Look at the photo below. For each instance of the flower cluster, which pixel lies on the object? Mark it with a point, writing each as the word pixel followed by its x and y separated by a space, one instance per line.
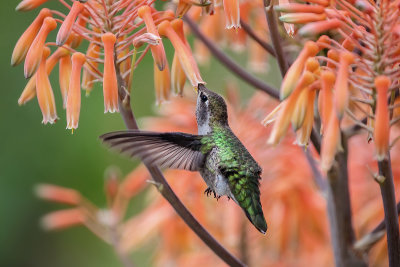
pixel 351 75
pixel 298 233
pixel 115 31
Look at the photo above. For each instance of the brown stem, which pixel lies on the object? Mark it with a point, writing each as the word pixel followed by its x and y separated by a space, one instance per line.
pixel 229 63
pixel 166 191
pixel 339 212
pixel 256 38
pixel 389 206
pixel 275 36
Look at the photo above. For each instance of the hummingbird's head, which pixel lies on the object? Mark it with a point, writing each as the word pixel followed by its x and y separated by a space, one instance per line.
pixel 210 109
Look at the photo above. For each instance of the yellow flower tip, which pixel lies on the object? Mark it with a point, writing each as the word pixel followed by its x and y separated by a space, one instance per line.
pixel 26 39
pixel 382 120
pixel 34 55
pixel 66 27
pixel 63 219
pixel 315 28
pixel 27 5
pixel 74 91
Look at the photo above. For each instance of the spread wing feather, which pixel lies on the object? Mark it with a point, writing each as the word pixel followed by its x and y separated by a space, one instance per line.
pixel 166 150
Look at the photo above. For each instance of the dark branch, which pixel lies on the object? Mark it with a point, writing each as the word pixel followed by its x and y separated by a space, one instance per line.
pixel 275 37
pixel 256 38
pixel 229 63
pixel 391 215
pixel 167 192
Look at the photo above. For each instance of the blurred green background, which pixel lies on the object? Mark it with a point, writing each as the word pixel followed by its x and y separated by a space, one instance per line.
pixel 32 153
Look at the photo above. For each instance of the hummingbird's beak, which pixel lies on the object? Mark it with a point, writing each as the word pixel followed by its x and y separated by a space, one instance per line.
pixel 199 87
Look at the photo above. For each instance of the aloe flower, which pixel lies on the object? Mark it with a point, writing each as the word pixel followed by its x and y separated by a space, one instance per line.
pixel 114 32
pixel 359 78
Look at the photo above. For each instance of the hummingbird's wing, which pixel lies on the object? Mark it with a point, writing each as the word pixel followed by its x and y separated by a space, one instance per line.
pixel 166 150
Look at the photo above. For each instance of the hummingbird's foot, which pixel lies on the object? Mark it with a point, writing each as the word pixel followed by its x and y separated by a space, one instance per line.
pixel 208 191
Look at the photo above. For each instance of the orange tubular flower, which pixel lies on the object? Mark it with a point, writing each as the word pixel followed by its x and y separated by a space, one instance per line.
pixel 58 194
pixel 285 114
pixel 88 77
pixel 44 91
pixel 27 5
pixel 30 88
pixel 342 83
pixel 232 13
pixel 64 77
pixel 34 54
pixel 66 26
pixel 157 51
pixel 301 17
pixel 184 54
pixel 162 83
pixel 292 76
pixel 315 28
pixel 178 77
pixel 303 135
pixel 63 219
pixel 382 125
pixel 110 84
pixel 296 8
pixel 74 91
pixel 26 39
pixel 330 142
pixel 326 96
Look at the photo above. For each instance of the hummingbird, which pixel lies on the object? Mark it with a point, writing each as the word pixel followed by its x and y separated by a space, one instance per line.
pixel 224 163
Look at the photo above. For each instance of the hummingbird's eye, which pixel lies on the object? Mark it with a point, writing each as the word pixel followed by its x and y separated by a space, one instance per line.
pixel 203 97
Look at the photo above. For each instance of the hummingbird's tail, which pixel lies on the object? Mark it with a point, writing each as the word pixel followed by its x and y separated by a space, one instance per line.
pixel 255 214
